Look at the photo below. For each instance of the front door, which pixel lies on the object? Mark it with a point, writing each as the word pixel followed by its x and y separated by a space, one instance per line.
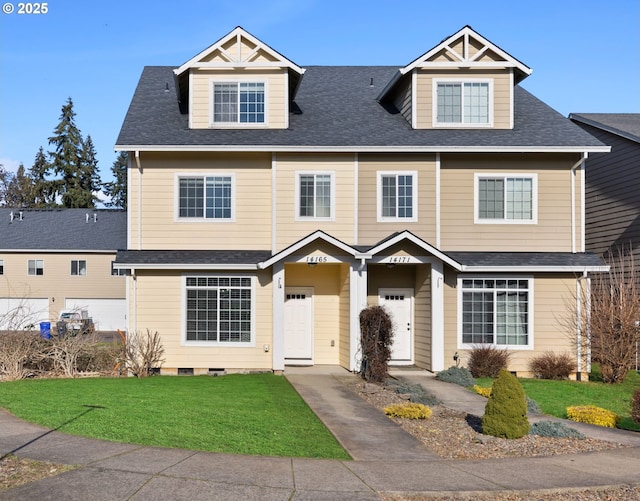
pixel 298 325
pixel 398 303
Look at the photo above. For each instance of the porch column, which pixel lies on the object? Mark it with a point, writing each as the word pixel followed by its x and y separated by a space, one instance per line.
pixel 277 350
pixel 437 316
pixel 358 302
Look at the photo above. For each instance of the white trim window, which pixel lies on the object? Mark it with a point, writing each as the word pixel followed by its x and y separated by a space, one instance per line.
pixel 506 198
pixel 463 103
pixel 35 267
pixel 1 266
pixel 315 195
pixel 397 196
pixel 219 310
pixel 78 267
pixel 209 197
pixel 238 103
pixel 496 311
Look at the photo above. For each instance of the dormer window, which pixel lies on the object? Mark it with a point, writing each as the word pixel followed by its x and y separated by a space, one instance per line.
pixel 238 103
pixel 463 103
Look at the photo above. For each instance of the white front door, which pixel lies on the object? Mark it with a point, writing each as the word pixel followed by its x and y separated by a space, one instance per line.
pixel 298 325
pixel 398 303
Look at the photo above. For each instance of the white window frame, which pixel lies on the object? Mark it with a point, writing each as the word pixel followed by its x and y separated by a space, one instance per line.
pixel 332 188
pixel 504 177
pixel 218 344
pixel 78 268
pixel 237 123
pixel 530 312
pixel 462 82
pixel 414 196
pixel 1 266
pixel 35 267
pixel 204 218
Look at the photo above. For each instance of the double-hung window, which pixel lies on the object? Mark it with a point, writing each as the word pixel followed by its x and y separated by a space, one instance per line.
pixel 238 103
pixel 510 198
pixel 78 267
pixel 206 197
pixel 496 311
pixel 463 103
pixel 36 267
pixel 315 195
pixel 397 196
pixel 219 310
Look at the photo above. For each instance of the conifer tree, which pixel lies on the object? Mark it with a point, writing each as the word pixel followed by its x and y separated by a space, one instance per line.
pixel 43 189
pixel 4 182
pixel 88 176
pixel 117 189
pixel 19 192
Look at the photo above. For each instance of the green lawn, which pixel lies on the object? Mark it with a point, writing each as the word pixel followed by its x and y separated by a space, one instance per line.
pixel 242 414
pixel 555 396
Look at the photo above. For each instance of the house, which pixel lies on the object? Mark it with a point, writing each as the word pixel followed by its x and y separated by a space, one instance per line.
pixel 61 259
pixel 612 189
pixel 270 203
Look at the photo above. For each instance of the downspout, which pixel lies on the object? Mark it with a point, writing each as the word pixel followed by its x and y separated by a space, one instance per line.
pixel 137 157
pixel 580 323
pixel 575 166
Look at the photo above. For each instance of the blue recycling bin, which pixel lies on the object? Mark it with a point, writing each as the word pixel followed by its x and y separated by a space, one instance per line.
pixel 45 330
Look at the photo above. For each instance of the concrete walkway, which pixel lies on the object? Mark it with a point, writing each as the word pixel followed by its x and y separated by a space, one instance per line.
pixel 114 471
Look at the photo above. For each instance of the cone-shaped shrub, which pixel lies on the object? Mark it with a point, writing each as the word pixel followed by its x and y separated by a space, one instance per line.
pixel 505 414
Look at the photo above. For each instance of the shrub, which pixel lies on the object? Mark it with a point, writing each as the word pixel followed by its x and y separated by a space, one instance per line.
pixel 551 365
pixel 532 406
pixel 20 354
pixel 414 392
pixel 505 414
pixel 487 361
pixel 554 429
pixel 102 357
pixel 457 375
pixel 635 406
pixel 143 353
pixel 485 392
pixel 408 410
pixel 591 414
pixel 375 341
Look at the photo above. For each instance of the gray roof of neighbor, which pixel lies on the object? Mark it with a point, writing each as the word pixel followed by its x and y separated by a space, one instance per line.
pixel 192 257
pixel 335 106
pixel 527 259
pixel 63 229
pixel 623 124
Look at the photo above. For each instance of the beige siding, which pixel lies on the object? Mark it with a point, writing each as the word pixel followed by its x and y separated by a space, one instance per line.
pixel 342 226
pixel 502 92
pixel 159 306
pixel 161 229
pixel 370 231
pixel 422 317
pixel 277 103
pixel 345 317
pixel 57 283
pixel 553 229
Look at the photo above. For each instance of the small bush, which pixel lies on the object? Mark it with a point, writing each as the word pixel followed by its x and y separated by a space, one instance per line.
pixel 375 342
pixel 487 361
pixel 143 353
pixel 505 414
pixel 414 392
pixel 532 406
pixel 554 429
pixel 21 354
pixel 591 414
pixel 635 406
pixel 408 410
pixel 485 392
pixel 551 365
pixel 457 375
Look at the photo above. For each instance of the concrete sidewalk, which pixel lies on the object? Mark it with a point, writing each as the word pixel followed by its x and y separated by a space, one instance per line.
pixel 109 471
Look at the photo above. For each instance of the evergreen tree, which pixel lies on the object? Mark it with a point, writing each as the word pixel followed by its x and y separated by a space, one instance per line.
pixel 43 190
pixel 4 181
pixel 117 189
pixel 89 176
pixel 19 193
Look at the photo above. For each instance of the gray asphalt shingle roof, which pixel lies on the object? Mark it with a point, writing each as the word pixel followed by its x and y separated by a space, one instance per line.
pixel 337 107
pixel 63 229
pixel 527 259
pixel 191 257
pixel 623 124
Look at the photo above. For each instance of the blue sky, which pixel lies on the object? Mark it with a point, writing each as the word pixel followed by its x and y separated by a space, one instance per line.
pixel 585 54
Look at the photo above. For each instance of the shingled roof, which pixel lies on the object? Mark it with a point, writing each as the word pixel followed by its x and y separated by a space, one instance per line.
pixel 336 110
pixel 626 125
pixel 90 230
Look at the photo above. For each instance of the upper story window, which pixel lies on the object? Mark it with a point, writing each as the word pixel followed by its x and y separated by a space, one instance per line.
pixel 496 311
pixel 397 196
pixel 238 103
pixel 315 195
pixel 78 267
pixel 506 198
pixel 465 103
pixel 36 267
pixel 1 267
pixel 206 197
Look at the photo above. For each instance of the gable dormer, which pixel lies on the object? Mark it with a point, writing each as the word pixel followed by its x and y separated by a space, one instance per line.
pixel 463 82
pixel 238 82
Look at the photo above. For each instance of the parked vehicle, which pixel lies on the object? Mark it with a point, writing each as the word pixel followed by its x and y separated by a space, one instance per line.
pixel 75 322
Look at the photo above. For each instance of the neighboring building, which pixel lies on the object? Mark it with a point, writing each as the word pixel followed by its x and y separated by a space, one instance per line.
pixel 613 183
pixel 269 204
pixel 61 259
